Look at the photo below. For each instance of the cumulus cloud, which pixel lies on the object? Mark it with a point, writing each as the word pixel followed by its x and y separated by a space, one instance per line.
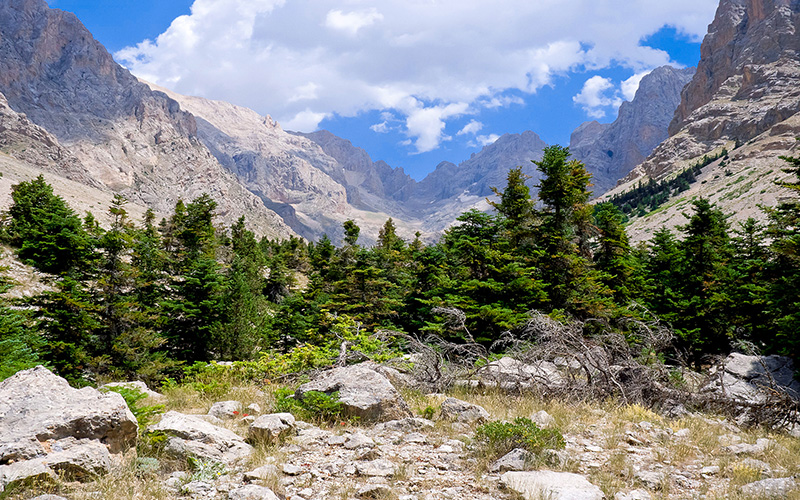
pixel 631 85
pixel 351 22
pixel 594 96
pixel 302 61
pixel 471 128
pixel 485 140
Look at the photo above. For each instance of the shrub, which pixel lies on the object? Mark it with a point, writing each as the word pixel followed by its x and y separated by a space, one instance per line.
pixel 315 406
pixel 495 439
pixel 144 414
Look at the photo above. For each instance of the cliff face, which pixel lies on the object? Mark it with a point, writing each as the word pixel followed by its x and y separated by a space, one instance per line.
pixel 744 97
pixel 611 151
pixel 126 137
pixel 744 33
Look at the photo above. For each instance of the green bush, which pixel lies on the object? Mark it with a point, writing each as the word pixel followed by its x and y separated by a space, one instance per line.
pixel 314 407
pixel 495 439
pixel 144 414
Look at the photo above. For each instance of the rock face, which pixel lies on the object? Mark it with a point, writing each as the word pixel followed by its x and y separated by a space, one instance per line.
pixel 365 393
pixel 47 426
pixel 190 435
pixel 272 429
pixel 127 138
pixel 745 97
pixel 553 485
pixel 749 378
pixel 611 151
pixel 509 373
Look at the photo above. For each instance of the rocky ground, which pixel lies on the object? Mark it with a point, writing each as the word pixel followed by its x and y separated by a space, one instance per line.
pixel 242 450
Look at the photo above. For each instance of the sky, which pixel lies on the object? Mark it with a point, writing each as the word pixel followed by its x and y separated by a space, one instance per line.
pixel 413 82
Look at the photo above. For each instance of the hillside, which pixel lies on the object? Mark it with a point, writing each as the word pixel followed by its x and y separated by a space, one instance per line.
pixel 744 97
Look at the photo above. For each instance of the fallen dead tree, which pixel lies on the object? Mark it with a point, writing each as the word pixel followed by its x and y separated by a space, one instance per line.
pixel 560 360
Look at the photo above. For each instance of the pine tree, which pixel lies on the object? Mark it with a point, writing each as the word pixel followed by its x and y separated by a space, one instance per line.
pixel 47 232
pixel 245 307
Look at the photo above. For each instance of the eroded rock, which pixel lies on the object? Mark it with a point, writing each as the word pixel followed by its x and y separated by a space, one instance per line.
pixel 364 393
pixel 81 432
pixel 190 435
pixel 535 485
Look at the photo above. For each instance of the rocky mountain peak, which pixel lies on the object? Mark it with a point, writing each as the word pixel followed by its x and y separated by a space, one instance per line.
pixel 610 151
pixel 743 33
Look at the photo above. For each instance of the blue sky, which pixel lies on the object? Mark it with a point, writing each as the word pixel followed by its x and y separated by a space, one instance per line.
pixel 413 82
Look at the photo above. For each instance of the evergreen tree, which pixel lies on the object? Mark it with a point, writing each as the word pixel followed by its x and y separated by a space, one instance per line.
pixel 612 252
pixel 784 292
pixel 245 307
pixel 706 251
pixel 47 232
pixel 194 310
pixel 20 346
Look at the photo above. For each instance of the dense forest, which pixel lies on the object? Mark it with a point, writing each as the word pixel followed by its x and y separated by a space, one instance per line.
pixel 146 299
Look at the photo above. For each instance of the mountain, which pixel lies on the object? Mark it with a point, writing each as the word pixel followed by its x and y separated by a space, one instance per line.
pixel 69 109
pixel 611 151
pixel 745 97
pixel 124 136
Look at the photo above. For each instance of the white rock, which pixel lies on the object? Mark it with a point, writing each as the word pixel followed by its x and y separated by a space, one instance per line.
pixel 191 435
pixel 252 492
pixel 271 429
pixel 364 393
pixel 225 410
pixel 461 411
pixel 380 467
pixel 358 440
pixel 543 419
pixel 535 485
pixel 770 488
pixel 79 431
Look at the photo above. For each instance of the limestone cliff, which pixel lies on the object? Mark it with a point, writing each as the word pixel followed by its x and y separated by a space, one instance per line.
pixel 745 97
pixel 127 138
pixel 611 151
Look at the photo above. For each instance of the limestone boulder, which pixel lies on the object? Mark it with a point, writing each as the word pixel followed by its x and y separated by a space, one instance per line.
pixel 535 485
pixel 225 410
pixel 190 435
pixel 79 432
pixel 272 429
pixel 509 373
pixel 364 393
pixel 748 378
pixel 461 411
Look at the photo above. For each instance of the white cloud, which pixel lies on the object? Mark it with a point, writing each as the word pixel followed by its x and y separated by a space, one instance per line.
pixel 351 22
pixel 426 124
pixel 485 140
pixel 471 128
pixel 631 85
pixel 304 120
pixel 299 61
pixel 381 128
pixel 594 96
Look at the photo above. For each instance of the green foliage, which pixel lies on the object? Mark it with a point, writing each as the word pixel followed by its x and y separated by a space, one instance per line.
pixel 314 406
pixel 496 438
pixel 145 415
pixel 46 231
pixel 206 470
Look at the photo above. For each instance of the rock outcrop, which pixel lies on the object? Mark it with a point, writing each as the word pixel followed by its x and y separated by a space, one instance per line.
pixel 127 137
pixel 548 484
pixel 191 436
pixel 751 379
pixel 745 96
pixel 46 427
pixel 611 151
pixel 364 393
